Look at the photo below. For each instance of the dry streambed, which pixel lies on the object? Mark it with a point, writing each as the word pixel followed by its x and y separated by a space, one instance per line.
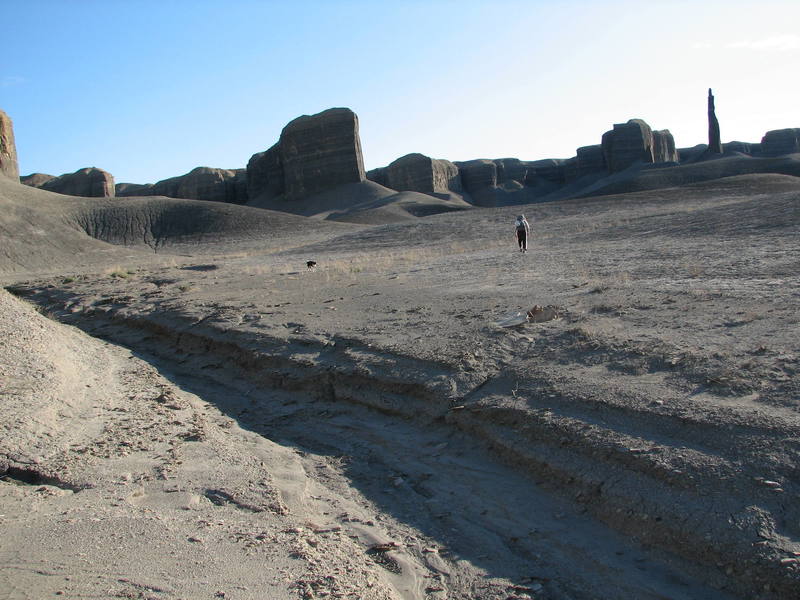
pixel 699 501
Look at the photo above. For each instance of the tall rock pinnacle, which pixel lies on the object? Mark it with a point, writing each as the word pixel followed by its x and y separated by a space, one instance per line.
pixel 714 143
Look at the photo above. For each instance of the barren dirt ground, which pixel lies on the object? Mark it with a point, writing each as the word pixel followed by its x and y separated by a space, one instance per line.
pixel 240 426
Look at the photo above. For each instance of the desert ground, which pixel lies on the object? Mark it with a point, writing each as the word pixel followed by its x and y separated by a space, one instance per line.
pixel 190 412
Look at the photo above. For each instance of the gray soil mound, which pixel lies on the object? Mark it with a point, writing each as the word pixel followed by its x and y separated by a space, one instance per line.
pixel 639 179
pixel 366 202
pixel 45 230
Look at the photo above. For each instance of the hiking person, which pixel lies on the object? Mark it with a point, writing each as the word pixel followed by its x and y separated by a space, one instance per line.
pixel 523 229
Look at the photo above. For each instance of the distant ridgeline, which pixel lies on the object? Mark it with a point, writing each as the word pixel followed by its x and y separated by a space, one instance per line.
pixel 321 152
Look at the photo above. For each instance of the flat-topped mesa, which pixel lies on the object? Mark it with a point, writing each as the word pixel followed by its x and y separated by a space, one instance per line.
pixel 635 142
pixel 781 141
pixel 714 143
pixel 321 152
pixel 9 166
pixel 420 173
pixel 90 182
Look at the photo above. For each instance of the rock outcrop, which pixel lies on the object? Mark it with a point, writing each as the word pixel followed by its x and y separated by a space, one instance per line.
pixel 740 147
pixel 550 170
pixel 588 160
pixel 420 173
pixel 9 166
pixel 511 172
pixel 635 142
pixel 201 183
pixel 664 147
pixel 627 144
pixel 477 175
pixel 36 180
pixel 265 174
pixel 133 189
pixel 781 141
pixel 714 143
pixel 90 182
pixel 379 176
pixel 320 152
pixel 314 154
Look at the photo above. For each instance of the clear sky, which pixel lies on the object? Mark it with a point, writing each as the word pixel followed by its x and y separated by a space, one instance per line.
pixel 149 89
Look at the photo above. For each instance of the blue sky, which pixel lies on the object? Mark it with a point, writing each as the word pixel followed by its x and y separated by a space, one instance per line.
pixel 150 89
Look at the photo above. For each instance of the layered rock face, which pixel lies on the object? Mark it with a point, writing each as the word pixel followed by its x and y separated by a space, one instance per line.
pixel 477 175
pixel 626 144
pixel 8 148
pixel 588 160
pixel 548 169
pixel 379 176
pixel 320 152
pixel 420 173
pixel 90 182
pixel 202 183
pixel 781 141
pixel 664 147
pixel 714 143
pixel 634 142
pixel 315 153
pixel 511 172
pixel 265 173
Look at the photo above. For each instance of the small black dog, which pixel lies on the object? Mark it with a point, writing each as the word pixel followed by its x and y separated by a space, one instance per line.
pixel 311 264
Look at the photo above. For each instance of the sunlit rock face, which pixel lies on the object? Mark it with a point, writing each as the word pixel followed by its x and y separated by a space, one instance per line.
pixel 320 152
pixel 8 148
pixel 420 173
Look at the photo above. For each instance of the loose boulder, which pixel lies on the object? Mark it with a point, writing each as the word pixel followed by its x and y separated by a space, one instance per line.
pixel 420 173
pixel 320 152
pixel 9 166
pixel 90 182
pixel 781 141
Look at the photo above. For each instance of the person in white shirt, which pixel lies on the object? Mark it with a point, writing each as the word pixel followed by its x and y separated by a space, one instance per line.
pixel 523 229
